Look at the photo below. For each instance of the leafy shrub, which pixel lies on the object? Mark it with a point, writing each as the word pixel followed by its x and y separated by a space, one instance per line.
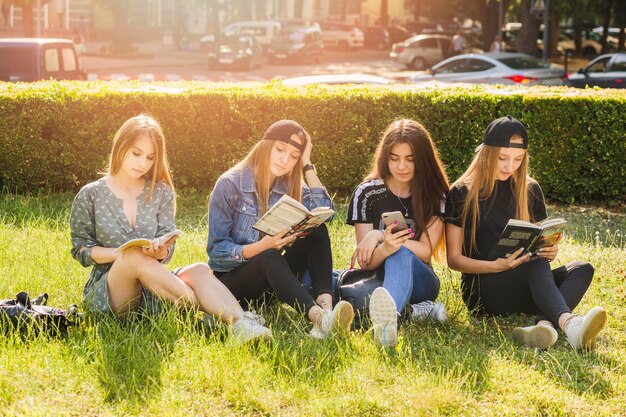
pixel 57 135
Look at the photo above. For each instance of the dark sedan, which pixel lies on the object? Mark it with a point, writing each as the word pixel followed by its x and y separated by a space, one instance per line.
pixel 242 52
pixel 608 71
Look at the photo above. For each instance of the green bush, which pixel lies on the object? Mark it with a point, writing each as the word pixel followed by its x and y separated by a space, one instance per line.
pixel 57 135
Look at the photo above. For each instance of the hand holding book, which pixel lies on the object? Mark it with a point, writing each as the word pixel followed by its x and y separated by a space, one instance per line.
pixel 157 247
pixel 520 234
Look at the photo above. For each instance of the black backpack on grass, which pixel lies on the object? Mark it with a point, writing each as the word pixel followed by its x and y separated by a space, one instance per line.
pixel 22 314
pixel 356 286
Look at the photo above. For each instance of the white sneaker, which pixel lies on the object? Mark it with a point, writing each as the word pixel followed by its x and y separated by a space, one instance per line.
pixel 428 310
pixel 582 331
pixel 335 321
pixel 384 316
pixel 537 336
pixel 249 328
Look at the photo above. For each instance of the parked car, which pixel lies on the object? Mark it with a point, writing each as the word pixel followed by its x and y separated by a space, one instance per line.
pixel 421 51
pixel 33 59
pixel 354 78
pixel 243 52
pixel 605 71
pixel 264 31
pixel 495 68
pixel 297 45
pixel 381 37
pixel 341 36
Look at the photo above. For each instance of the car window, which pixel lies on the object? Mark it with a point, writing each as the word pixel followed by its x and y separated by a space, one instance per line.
pixel 69 59
pixel 456 65
pixel 619 64
pixel 599 65
pixel 51 60
pixel 17 60
pixel 524 62
pixel 253 31
pixel 426 43
pixel 475 65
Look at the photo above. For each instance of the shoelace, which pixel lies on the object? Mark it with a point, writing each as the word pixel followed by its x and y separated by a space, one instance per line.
pixel 254 318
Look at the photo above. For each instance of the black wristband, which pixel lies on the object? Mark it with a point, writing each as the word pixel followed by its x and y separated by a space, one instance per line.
pixel 308 167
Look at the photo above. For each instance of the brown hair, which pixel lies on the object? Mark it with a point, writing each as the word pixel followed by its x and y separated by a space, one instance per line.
pixel 259 159
pixel 124 139
pixel 430 182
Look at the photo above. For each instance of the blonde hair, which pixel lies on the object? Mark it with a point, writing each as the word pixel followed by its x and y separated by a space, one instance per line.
pixel 259 159
pixel 126 137
pixel 430 182
pixel 480 179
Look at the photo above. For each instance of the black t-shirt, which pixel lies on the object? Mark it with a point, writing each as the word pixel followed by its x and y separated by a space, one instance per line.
pixel 495 212
pixel 371 199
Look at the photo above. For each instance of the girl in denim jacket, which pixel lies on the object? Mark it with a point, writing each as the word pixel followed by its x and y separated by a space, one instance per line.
pixel 250 264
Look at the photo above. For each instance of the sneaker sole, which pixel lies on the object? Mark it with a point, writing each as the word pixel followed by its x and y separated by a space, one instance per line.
pixel 384 316
pixel 594 322
pixel 540 337
pixel 345 315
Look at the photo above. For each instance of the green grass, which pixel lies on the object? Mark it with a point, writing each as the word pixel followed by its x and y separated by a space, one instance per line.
pixel 164 366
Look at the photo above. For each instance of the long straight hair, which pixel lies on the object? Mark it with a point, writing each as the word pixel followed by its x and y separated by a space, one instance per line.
pixel 126 137
pixel 259 159
pixel 430 182
pixel 480 180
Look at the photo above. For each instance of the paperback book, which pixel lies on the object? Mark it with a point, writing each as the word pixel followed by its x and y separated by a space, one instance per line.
pixel 289 213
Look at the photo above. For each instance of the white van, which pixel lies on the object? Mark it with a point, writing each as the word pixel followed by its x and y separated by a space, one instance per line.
pixel 263 30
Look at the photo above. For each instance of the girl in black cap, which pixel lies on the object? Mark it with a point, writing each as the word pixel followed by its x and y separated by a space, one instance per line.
pixel 407 176
pixel 250 264
pixel 495 188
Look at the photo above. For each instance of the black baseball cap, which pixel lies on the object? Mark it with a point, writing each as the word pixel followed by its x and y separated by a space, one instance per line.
pixel 500 131
pixel 282 131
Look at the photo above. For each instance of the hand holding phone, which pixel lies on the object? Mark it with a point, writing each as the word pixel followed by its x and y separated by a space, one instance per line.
pixel 390 217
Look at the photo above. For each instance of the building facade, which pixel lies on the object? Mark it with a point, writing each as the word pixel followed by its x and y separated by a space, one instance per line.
pixel 193 17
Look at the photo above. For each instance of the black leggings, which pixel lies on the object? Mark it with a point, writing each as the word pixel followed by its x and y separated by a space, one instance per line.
pixel 271 271
pixel 531 288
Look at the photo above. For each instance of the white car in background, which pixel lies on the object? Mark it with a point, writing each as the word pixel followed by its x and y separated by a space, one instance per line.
pixel 342 36
pixel 494 68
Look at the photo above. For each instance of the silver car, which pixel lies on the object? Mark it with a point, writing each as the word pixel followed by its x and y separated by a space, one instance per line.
pixel 494 68
pixel 421 51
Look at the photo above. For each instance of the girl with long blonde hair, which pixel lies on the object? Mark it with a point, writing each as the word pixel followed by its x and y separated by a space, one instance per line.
pixel 407 176
pixel 494 189
pixel 251 264
pixel 136 199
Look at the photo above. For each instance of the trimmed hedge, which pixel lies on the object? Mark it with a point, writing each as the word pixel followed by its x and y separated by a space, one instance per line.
pixel 57 135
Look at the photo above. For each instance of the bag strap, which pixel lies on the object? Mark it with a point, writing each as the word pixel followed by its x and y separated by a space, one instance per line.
pixel 23 299
pixel 42 300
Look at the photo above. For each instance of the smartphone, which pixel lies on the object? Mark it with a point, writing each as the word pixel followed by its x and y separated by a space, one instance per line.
pixel 390 217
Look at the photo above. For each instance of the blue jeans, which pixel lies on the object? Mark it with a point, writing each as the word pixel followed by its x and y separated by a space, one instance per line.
pixel 409 280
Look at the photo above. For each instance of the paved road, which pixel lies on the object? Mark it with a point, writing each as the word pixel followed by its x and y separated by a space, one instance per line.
pixel 156 63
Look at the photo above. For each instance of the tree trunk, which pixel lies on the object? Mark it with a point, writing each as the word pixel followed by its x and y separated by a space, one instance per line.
pixel 527 36
pixel 554 18
pixel 344 10
pixel 384 12
pixel 605 26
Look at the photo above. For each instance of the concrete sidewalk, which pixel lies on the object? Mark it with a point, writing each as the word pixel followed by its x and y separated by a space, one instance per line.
pixel 149 54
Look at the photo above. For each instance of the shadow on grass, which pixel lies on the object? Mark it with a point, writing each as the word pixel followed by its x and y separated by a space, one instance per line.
pixel 132 354
pixel 296 356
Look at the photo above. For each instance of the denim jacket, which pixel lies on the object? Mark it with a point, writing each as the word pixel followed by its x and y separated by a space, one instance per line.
pixel 233 209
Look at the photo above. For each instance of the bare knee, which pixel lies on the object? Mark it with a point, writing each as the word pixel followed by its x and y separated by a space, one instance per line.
pixel 197 271
pixel 134 257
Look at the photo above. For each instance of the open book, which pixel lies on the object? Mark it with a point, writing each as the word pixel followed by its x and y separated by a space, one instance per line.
pixel 532 237
pixel 144 243
pixel 287 212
